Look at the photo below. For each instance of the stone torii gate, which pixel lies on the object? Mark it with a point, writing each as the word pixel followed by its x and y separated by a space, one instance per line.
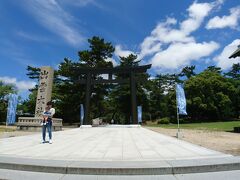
pixel 89 73
pixel 236 53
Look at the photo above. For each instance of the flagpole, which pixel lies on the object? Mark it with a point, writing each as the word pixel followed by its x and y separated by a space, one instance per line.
pixel 6 119
pixel 178 119
pixel 81 115
pixel 7 114
pixel 6 123
pixel 6 132
pixel 178 128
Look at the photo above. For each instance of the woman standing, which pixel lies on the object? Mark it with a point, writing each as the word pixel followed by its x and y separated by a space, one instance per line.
pixel 49 112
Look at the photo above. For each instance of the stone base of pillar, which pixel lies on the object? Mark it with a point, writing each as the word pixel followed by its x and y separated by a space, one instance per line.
pixel 34 124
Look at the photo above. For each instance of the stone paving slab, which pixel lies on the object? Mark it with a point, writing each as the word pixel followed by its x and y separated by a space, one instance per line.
pixel 104 144
pixel 110 151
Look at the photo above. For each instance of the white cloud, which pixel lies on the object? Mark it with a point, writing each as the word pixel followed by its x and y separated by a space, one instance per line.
pixel 225 21
pixel 120 52
pixel 197 12
pixel 104 76
pixel 112 60
pixel 149 46
pixel 162 34
pixel 178 55
pixel 223 60
pixel 20 85
pixel 166 33
pixel 171 43
pixel 54 18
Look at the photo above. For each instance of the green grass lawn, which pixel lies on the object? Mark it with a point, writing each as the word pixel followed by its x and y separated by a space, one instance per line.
pixel 215 126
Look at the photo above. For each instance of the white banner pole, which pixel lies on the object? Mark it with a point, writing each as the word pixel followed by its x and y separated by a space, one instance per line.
pixel 178 128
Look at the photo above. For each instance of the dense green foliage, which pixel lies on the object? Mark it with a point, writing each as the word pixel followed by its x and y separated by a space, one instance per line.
pixel 211 95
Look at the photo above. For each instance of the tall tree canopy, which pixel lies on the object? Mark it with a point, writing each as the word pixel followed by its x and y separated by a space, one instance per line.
pixel 211 94
pixel 70 94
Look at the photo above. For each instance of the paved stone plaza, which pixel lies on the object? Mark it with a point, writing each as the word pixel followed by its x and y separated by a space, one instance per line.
pixel 113 152
pixel 104 144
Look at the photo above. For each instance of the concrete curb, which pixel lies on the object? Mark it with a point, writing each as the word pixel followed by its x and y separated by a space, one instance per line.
pixel 122 168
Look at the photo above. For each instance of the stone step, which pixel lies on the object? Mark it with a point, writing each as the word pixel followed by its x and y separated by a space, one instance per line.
pixel 164 167
pixel 24 175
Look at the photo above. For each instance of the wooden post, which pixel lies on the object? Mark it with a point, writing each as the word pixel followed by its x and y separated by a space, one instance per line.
pixel 133 98
pixel 110 76
pixel 87 100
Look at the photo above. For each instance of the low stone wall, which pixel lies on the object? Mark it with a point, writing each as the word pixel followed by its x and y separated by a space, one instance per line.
pixel 96 122
pixel 34 124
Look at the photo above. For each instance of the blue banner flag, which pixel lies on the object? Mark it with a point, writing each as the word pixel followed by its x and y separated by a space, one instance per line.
pixel 181 100
pixel 139 114
pixel 81 113
pixel 12 107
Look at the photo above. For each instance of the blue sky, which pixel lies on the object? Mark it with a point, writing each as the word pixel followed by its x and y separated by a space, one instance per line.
pixel 168 34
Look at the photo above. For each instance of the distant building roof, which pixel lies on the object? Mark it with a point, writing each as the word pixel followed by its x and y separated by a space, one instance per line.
pixel 236 53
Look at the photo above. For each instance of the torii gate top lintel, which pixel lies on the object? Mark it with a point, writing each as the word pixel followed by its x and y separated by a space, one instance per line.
pixel 115 70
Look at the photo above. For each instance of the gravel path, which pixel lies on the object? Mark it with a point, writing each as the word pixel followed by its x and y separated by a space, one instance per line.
pixel 225 142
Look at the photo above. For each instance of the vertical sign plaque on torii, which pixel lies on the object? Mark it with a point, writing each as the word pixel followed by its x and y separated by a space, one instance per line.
pixel 44 89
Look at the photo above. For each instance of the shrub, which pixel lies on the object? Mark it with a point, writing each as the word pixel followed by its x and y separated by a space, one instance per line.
pixel 165 120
